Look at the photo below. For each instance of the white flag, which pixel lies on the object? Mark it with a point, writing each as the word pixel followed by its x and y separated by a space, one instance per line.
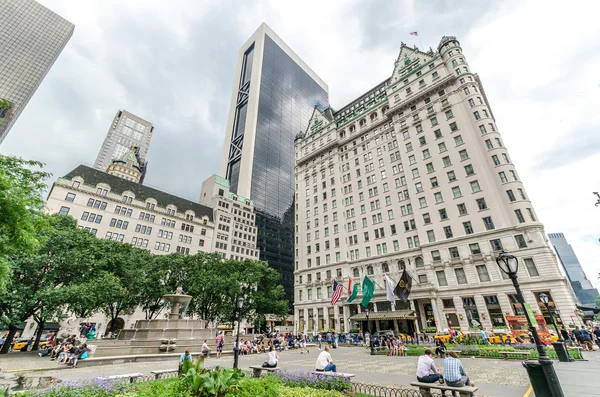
pixel 389 288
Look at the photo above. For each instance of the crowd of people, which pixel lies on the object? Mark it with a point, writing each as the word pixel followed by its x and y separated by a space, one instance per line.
pixel 583 337
pixel 68 351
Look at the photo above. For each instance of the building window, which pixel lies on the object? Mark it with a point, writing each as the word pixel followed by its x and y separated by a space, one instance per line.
pixel 453 127
pixel 468 227
pixel 430 236
pixel 456 192
pixel 511 196
pixel 370 270
pixel 448 303
pixel 422 278
pixel 454 252
pixel 475 186
pixel 531 215
pixel 64 211
pixel 441 277
pixel 438 197
pixel 503 177
pixel 482 273
pixel 461 277
pixel 520 216
pixel 520 241
pixel 496 245
pixel 462 209
pixel 481 204
pixel 474 248
pixel 469 170
pixel 489 224
pixel 70 197
pixel 419 262
pixel 448 231
pixel 531 269
pixel 463 155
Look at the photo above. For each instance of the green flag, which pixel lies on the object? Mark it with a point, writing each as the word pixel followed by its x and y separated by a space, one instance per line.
pixel 354 293
pixel 368 288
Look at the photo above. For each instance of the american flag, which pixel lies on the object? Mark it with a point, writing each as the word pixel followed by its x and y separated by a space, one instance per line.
pixel 414 33
pixel 337 292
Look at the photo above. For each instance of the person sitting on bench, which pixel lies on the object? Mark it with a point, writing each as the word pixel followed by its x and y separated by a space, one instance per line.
pixel 454 372
pixel 325 362
pixel 272 358
pixel 426 369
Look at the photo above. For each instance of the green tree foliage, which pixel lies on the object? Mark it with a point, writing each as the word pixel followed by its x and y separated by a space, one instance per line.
pixel 21 185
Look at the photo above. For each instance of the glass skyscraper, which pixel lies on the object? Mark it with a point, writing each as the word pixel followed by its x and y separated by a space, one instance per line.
pixel 274 96
pixel 583 288
pixel 31 39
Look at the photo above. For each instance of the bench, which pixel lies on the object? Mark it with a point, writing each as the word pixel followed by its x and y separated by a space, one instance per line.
pixel 425 389
pixel 523 355
pixel 157 373
pixel 334 374
pixel 131 377
pixel 454 351
pixel 257 370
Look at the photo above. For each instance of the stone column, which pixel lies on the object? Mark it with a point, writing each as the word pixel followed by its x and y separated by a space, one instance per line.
pixel 483 311
pixel 440 322
pixel 305 328
pixel 336 318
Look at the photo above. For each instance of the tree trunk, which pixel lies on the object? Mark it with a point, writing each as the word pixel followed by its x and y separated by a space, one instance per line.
pixel 12 330
pixel 40 331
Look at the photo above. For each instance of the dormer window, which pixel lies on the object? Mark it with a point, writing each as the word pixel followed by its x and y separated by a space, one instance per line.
pixel 149 205
pixel 171 211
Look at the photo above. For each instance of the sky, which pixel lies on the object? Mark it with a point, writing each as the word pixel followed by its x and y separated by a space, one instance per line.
pixel 173 64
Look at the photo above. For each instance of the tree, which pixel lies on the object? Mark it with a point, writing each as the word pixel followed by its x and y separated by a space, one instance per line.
pixel 123 267
pixel 41 280
pixel 21 204
pixel 598 306
pixel 161 277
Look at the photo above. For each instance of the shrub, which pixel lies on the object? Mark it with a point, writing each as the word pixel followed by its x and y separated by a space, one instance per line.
pixel 316 381
pixel 89 388
pixel 161 388
pixel 268 386
pixel 286 391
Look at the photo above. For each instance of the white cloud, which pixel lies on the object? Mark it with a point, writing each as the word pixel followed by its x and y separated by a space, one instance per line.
pixel 174 65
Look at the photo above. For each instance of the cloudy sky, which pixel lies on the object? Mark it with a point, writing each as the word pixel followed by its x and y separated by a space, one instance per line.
pixel 173 64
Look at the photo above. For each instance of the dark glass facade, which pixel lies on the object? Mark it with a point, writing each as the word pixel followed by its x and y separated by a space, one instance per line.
pixel 287 99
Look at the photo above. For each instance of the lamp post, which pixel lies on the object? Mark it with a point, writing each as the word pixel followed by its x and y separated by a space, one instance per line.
pixel 544 298
pixel 370 334
pixel 544 381
pixel 236 351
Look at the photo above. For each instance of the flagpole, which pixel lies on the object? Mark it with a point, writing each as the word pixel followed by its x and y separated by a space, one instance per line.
pixel 420 42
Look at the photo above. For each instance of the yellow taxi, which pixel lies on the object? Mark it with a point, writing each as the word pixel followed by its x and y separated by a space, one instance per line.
pixel 444 336
pixel 506 336
pixel 23 342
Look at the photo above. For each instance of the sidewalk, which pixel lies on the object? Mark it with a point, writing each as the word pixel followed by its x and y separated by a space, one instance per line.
pixel 580 378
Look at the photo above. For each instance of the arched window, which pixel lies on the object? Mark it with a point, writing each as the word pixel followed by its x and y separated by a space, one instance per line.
pixel 401 265
pixel 384 110
pixel 356 272
pixel 352 128
pixel 385 268
pixel 362 123
pixel 373 116
pixel 419 262
pixel 342 134
pixel 370 270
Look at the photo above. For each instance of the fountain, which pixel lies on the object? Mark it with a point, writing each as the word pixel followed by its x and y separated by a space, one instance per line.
pixel 161 335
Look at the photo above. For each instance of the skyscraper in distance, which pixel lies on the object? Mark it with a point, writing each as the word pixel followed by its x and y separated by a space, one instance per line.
pixel 31 39
pixel 274 95
pixel 127 130
pixel 583 288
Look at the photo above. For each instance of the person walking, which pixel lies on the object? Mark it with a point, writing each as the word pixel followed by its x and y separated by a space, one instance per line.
pixel 302 342
pixel 426 369
pixel 597 333
pixel 272 358
pixel 484 336
pixel 454 372
pixel 320 339
pixel 220 342
pixel 325 362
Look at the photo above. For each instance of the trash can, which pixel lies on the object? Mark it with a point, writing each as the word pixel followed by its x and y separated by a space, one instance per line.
pixel 537 378
pixel 562 352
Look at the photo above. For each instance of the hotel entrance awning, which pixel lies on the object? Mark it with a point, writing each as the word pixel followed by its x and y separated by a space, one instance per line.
pixel 387 315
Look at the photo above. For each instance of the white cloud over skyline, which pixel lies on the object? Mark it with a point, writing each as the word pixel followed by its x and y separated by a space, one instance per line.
pixel 173 64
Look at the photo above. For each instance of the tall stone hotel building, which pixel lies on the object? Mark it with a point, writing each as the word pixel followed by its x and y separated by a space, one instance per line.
pixel 414 175
pixel 31 39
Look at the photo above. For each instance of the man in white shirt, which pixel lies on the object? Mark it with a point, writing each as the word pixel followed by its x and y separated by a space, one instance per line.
pixel 426 370
pixel 325 362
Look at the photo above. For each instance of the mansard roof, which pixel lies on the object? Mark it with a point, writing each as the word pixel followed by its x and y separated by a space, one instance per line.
pixel 92 177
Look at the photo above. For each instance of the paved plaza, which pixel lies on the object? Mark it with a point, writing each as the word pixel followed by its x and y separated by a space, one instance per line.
pixel 493 377
pixel 498 378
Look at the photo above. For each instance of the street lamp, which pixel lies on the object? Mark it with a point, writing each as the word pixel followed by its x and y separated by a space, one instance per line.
pixel 546 381
pixel 370 334
pixel 544 298
pixel 236 351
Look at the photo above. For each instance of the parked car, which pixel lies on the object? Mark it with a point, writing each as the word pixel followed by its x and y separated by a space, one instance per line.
pixel 21 343
pixel 444 336
pixel 506 336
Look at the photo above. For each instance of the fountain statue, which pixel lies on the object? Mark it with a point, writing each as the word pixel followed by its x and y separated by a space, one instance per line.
pixel 176 300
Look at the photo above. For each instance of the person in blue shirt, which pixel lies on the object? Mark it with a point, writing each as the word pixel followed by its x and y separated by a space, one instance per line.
pixel 454 372
pixel 182 358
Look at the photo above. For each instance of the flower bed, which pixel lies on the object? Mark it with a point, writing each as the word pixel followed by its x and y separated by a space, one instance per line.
pixel 490 351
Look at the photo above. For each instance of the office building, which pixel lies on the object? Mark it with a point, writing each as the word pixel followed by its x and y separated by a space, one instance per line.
pixel 31 39
pixel 414 175
pixel 273 98
pixel 584 290
pixel 126 130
